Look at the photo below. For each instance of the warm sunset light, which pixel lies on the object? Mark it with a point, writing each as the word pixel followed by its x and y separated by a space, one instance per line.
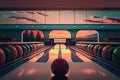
pixel 60 34
pixel 29 31
pixel 35 32
pixel 85 33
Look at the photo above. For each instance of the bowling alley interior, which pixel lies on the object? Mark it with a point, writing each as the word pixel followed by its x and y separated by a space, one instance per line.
pixel 60 40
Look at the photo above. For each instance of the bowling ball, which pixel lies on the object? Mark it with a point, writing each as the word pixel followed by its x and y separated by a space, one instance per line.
pixel 85 47
pixel 34 47
pixel 2 57
pixel 116 56
pixel 104 51
pixel 59 78
pixel 99 51
pixel 88 48
pixel 91 49
pixel 28 48
pixel 95 49
pixel 14 51
pixel 59 67
pixel 109 54
pixel 8 53
pixel 20 50
pixel 24 49
pixel 31 48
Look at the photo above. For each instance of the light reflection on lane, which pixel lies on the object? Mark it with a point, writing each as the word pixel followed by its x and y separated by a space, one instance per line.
pixel 36 57
pixel 66 54
pixel 83 57
pixel 53 54
pixel 23 72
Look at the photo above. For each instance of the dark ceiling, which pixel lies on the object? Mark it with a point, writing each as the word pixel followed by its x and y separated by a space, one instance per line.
pixel 59 4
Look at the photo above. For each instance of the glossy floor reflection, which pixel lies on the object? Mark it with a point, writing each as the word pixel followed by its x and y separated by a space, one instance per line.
pixel 86 70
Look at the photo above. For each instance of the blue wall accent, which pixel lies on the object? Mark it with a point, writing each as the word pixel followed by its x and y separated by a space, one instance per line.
pixel 105 34
pixel 63 26
pixel 46 33
pixel 15 34
pixel 73 33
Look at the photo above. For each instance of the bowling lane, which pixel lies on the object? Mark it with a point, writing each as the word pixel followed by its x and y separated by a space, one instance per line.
pixel 33 70
pixel 36 58
pixel 53 53
pixel 83 57
pixel 89 70
pixel 66 53
pixel 86 70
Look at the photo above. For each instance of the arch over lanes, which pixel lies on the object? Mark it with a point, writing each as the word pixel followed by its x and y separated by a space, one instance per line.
pixel 32 35
pixel 89 35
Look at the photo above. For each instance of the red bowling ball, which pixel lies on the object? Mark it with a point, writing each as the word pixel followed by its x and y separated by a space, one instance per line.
pixel 104 51
pixel 88 48
pixel 2 57
pixel 95 49
pixel 14 51
pixel 20 50
pixel 59 67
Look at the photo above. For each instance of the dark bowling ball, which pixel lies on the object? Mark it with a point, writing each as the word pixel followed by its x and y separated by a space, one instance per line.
pixel 59 78
pixel 24 49
pixel 8 53
pixel 14 51
pixel 91 49
pixel 59 67
pixel 116 56
pixel 28 48
pixel 31 48
pixel 109 54
pixel 99 51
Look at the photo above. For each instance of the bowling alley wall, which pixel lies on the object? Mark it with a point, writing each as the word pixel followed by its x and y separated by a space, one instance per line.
pixel 14 23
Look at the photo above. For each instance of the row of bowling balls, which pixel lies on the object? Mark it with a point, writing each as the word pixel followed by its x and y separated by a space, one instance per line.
pixel 11 52
pixel 108 52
